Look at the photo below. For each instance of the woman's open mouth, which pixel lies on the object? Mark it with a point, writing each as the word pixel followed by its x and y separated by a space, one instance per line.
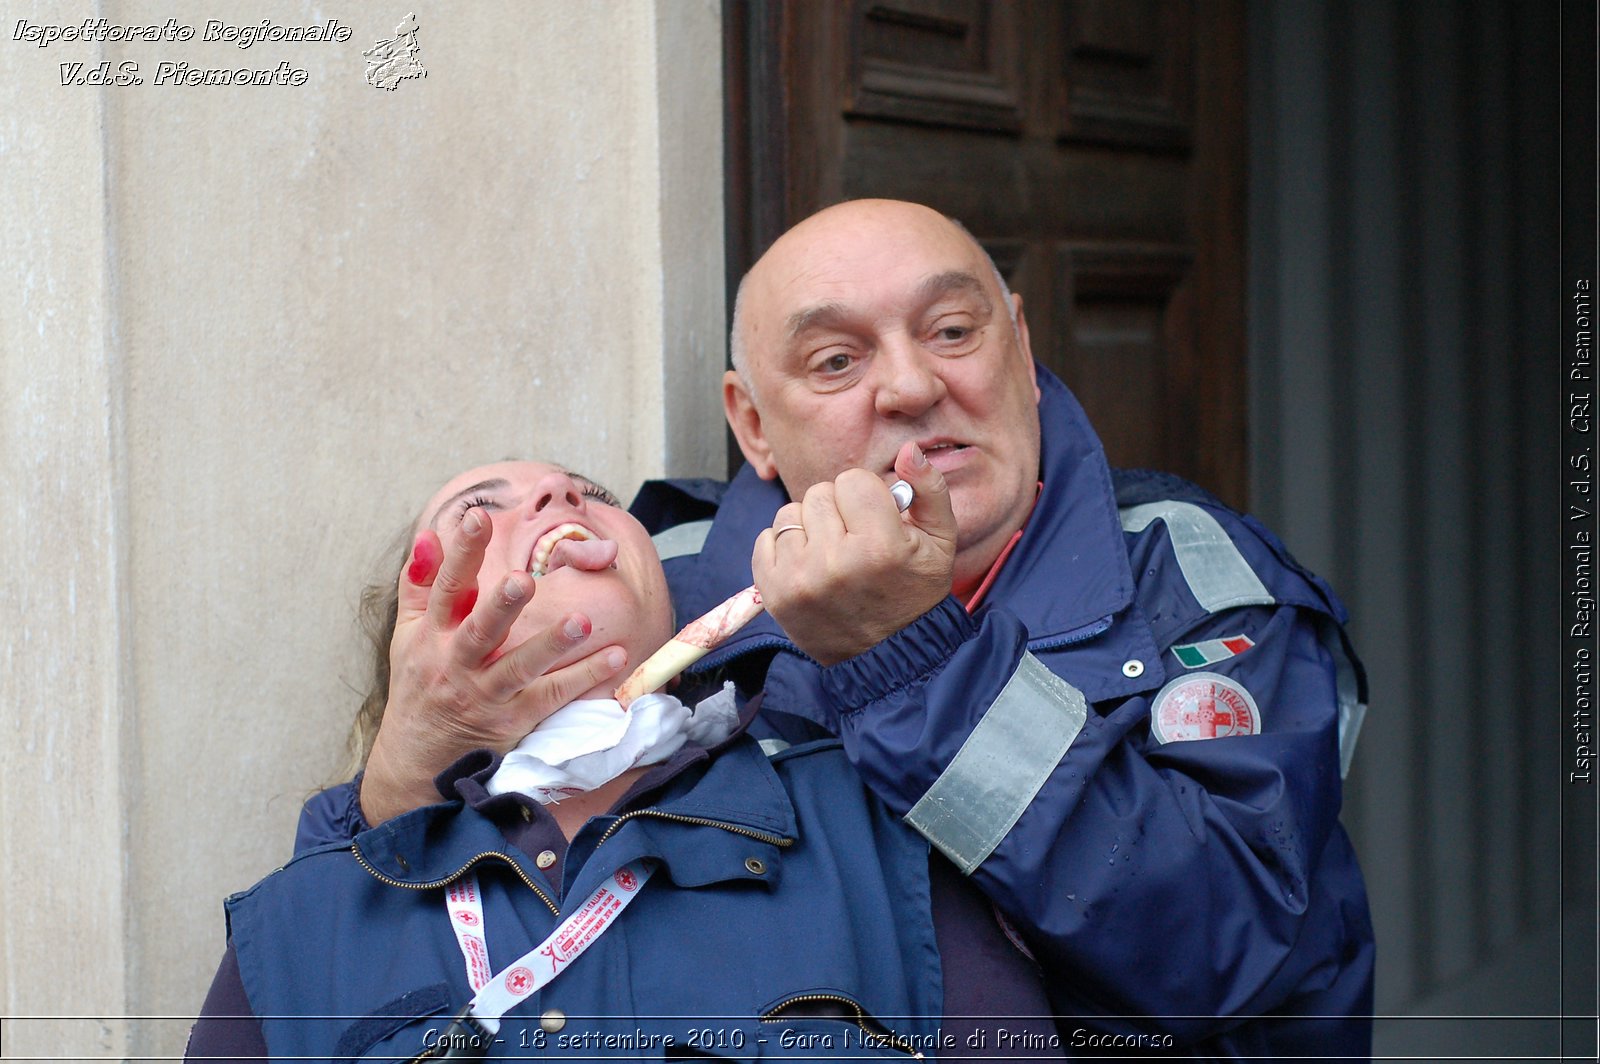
pixel 571 544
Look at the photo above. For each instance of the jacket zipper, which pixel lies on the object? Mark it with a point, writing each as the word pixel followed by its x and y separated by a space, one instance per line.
pixel 775 840
pixel 885 1037
pixel 453 876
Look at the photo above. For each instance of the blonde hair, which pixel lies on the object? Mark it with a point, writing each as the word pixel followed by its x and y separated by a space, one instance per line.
pixel 377 616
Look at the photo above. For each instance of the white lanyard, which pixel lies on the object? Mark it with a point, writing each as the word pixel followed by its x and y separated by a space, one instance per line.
pixel 495 995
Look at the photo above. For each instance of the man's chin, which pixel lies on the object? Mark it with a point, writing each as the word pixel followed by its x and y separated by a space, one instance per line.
pixel 983 527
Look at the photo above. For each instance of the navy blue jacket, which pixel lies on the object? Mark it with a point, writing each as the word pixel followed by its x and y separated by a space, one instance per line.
pixel 788 917
pixel 1199 888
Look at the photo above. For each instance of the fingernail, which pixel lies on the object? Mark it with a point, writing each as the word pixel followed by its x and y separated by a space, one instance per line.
pixel 514 589
pixel 918 459
pixel 615 658
pixel 576 628
pixel 472 523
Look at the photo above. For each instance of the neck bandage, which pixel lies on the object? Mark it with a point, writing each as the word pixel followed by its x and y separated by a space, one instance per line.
pixel 592 741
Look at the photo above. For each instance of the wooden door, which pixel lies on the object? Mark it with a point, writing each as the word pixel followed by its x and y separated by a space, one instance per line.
pixel 1095 148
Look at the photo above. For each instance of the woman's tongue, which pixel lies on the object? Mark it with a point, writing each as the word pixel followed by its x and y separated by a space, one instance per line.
pixel 590 555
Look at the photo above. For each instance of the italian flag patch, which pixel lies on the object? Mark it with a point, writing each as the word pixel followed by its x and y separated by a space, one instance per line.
pixel 1194 655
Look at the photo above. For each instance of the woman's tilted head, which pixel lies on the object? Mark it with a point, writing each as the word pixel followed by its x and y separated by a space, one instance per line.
pixel 585 552
pixel 588 556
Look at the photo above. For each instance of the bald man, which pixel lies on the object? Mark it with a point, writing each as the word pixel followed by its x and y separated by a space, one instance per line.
pixel 1118 712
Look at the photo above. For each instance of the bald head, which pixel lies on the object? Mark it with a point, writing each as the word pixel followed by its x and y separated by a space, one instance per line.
pixel 817 228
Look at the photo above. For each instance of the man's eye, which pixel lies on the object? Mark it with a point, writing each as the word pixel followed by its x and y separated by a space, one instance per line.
pixel 836 363
pixel 954 332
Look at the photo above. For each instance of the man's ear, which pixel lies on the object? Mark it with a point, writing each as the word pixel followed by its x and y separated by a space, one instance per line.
pixel 1025 345
pixel 745 421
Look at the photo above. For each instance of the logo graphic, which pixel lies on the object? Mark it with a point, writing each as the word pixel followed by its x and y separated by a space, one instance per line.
pixel 467 916
pixel 1203 705
pixel 519 981
pixel 627 880
pixel 390 62
pixel 559 952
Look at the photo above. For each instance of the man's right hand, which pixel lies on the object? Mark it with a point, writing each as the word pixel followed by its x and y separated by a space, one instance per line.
pixel 453 684
pixel 859 571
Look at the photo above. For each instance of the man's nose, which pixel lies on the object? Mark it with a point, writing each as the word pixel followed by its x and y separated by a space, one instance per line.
pixel 552 490
pixel 909 382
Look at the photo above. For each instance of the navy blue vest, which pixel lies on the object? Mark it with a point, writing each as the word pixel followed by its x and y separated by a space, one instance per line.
pixel 768 930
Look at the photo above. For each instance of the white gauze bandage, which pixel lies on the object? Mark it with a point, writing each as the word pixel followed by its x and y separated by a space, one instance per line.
pixel 594 740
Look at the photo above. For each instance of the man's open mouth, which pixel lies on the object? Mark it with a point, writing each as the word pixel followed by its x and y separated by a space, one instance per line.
pixel 937 447
pixel 933 449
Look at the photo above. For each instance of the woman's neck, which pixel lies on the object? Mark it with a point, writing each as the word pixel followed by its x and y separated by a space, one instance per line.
pixel 572 813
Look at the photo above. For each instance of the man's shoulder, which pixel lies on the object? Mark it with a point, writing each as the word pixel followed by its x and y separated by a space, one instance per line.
pixel 702 531
pixel 1138 487
pixel 663 504
pixel 1180 532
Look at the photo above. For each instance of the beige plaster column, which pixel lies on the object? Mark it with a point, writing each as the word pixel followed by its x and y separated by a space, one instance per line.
pixel 244 331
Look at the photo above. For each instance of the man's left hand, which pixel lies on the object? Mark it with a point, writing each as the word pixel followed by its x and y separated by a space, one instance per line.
pixel 855 571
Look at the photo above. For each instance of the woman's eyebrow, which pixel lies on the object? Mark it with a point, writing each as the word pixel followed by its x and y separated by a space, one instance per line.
pixel 492 484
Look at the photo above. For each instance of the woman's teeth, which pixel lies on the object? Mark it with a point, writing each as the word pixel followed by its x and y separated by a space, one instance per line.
pixel 547 544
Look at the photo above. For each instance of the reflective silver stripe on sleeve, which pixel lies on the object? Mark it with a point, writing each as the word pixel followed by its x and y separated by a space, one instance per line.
pixel 1218 575
pixel 1352 711
pixel 681 539
pixel 1001 766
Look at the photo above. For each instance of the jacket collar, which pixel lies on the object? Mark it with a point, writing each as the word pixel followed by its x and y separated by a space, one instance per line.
pixel 736 796
pixel 1065 580
pixel 1069 572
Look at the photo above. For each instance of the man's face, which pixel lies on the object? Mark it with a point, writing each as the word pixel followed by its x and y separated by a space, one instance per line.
pixel 874 323
pixel 531 506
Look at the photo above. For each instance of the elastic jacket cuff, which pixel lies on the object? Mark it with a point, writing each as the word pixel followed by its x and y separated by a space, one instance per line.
pixel 911 654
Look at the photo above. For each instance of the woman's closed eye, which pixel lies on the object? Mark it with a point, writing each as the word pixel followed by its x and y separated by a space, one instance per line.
pixel 467 503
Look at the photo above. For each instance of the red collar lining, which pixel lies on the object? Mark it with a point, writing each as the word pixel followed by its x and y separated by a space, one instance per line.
pixel 1005 552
